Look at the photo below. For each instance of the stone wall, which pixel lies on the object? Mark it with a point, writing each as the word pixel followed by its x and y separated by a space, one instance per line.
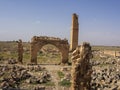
pixel 112 53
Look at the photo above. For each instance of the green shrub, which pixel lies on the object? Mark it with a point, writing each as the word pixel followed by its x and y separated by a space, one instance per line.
pixel 60 74
pixel 50 84
pixel 65 83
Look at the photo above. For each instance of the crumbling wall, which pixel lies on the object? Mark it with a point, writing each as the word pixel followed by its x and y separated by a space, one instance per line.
pixel 81 68
pixel 112 53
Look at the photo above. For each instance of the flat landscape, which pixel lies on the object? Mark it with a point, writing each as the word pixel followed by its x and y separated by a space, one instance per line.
pixel 49 75
pixel 59 45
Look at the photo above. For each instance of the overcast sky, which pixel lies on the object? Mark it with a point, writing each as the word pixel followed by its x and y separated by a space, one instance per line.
pixel 99 20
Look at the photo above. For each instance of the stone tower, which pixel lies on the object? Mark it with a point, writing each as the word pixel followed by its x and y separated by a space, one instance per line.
pixel 74 32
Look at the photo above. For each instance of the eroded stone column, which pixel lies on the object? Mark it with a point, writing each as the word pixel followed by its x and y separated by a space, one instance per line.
pixel 64 49
pixel 20 51
pixel 74 32
pixel 33 53
pixel 81 68
pixel 64 57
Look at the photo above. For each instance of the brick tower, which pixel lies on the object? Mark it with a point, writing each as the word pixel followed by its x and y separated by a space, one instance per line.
pixel 74 32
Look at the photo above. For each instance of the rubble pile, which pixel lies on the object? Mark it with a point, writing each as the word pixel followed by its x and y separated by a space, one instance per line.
pixel 67 74
pixel 12 61
pixel 43 78
pixel 35 68
pixel 106 74
pixel 11 77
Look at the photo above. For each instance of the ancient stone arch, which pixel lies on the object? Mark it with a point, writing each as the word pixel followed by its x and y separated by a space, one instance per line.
pixel 38 42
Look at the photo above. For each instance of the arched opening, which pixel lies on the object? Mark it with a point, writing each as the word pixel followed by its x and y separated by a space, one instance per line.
pixel 38 42
pixel 49 54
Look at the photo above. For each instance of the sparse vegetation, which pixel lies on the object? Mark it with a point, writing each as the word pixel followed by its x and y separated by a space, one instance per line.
pixel 60 74
pixel 49 83
pixel 65 83
pixel 47 56
pixel 116 48
pixel 49 53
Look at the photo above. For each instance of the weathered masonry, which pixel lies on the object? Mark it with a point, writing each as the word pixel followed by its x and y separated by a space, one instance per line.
pixel 20 51
pixel 74 32
pixel 38 42
pixel 81 67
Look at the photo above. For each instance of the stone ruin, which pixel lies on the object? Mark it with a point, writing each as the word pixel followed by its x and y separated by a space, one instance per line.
pixel 81 55
pixel 20 51
pixel 13 75
pixel 74 32
pixel 38 42
pixel 81 68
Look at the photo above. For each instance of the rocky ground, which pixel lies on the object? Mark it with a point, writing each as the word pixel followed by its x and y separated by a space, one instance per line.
pixel 105 76
pixel 21 77
pixel 106 73
pixel 32 77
